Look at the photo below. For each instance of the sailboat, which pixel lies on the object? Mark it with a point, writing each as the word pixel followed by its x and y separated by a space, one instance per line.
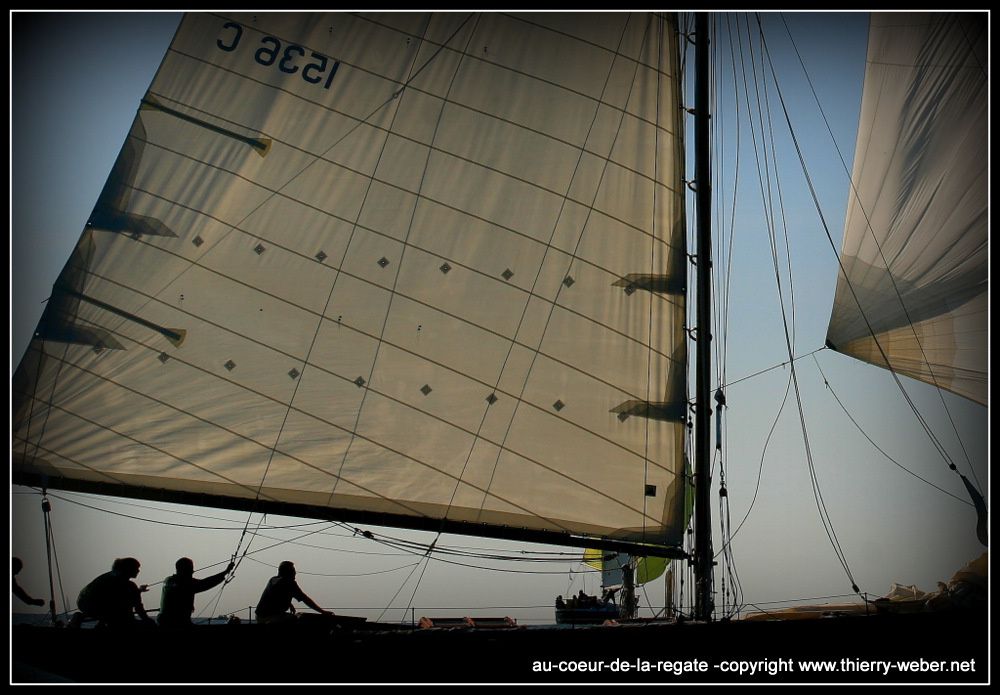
pixel 430 271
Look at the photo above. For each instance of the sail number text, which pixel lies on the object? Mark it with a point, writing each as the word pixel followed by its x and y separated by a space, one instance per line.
pixel 289 58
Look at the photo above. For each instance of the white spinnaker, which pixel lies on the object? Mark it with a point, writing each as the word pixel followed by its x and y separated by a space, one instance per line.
pixel 919 205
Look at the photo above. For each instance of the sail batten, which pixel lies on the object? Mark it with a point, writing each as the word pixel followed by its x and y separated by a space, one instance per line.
pixel 392 244
pixel 914 297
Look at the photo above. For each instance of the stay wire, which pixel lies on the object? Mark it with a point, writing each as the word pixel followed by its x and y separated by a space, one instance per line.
pixel 874 444
pixel 817 491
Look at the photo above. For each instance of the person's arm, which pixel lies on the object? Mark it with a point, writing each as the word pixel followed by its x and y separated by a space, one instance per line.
pixel 312 604
pixel 207 583
pixel 301 596
pixel 23 595
pixel 140 610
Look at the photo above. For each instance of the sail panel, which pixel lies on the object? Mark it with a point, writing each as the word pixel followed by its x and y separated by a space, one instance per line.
pixel 399 283
pixel 915 242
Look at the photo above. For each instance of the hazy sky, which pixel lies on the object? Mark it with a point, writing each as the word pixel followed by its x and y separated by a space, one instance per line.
pixel 76 84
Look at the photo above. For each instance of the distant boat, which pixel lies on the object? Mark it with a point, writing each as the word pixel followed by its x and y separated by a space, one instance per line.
pixel 431 271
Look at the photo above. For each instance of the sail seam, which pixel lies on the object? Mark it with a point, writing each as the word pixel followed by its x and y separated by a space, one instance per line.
pixel 615 54
pixel 528 237
pixel 265 447
pixel 274 244
pixel 388 131
pixel 393 345
pixel 579 241
pixel 520 72
pixel 409 229
pixel 418 90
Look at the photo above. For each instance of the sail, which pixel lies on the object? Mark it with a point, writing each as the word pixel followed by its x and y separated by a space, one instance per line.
pixel 610 565
pixel 915 242
pixel 415 269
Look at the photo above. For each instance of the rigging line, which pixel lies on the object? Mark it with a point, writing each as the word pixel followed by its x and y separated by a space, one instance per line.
pixel 411 547
pixel 850 286
pixel 325 574
pixel 498 569
pixel 724 343
pixel 767 197
pixel 457 549
pixel 583 229
pixel 151 521
pixel 877 447
pixel 781 210
pixel 215 606
pixel 760 470
pixel 716 135
pixel 771 369
pixel 719 297
pixel 789 340
pixel 425 560
pixel 221 528
pixel 416 584
pixel 817 492
pixel 185 513
pixel 327 548
pixel 51 540
pixel 485 553
pixel 772 244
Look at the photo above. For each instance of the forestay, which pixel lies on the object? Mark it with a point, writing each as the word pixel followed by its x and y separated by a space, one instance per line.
pixel 418 269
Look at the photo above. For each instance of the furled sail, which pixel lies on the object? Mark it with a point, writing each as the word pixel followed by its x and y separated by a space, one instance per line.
pixel 915 242
pixel 423 270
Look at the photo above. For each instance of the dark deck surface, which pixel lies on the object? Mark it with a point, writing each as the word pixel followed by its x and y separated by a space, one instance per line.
pixel 921 648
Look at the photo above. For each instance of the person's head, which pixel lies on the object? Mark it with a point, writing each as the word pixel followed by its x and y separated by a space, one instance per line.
pixel 286 569
pixel 126 566
pixel 185 566
pixel 16 564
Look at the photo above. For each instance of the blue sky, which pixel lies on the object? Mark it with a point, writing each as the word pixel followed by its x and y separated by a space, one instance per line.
pixel 77 79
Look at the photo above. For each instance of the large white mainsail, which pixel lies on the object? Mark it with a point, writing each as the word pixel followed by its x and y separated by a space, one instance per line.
pixel 915 242
pixel 418 269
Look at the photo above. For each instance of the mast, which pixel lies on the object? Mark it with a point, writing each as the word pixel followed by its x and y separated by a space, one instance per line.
pixel 703 178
